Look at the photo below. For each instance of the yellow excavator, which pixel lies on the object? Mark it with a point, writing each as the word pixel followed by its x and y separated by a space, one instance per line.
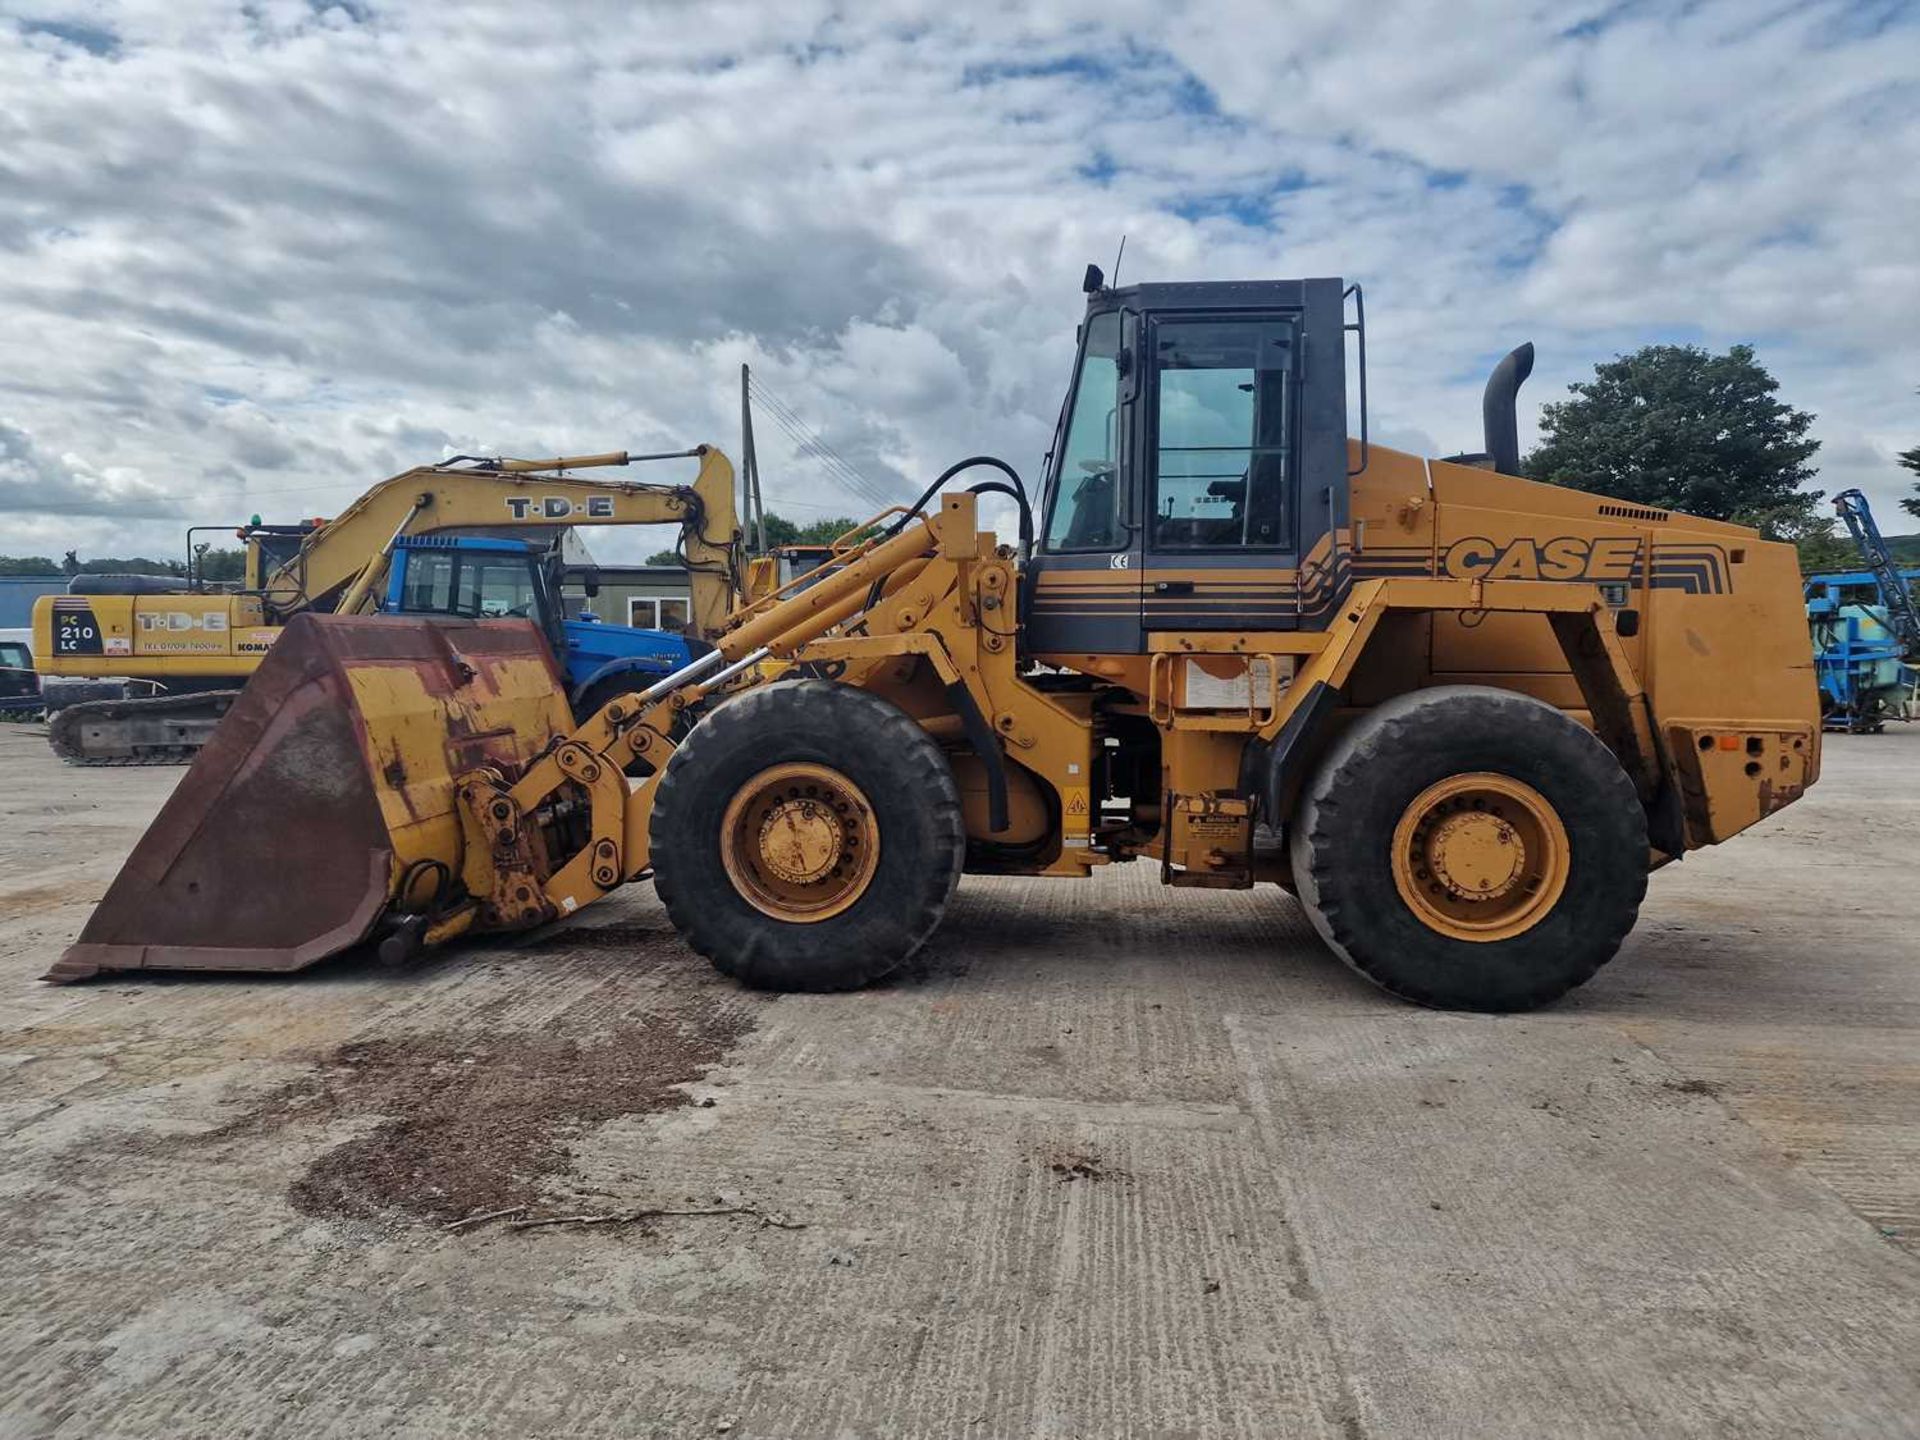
pixel 196 645
pixel 1459 714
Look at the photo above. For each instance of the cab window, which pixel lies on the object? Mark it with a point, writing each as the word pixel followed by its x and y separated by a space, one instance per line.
pixel 658 612
pixel 429 587
pixel 1223 421
pixel 495 585
pixel 1086 500
pixel 480 586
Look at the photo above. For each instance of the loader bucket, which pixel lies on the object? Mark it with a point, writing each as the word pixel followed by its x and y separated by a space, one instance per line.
pixel 332 773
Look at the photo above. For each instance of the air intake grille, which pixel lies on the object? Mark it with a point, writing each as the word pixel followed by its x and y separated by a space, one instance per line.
pixel 1632 512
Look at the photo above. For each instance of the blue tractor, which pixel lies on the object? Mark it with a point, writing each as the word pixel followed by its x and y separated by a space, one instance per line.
pixel 1866 630
pixel 486 578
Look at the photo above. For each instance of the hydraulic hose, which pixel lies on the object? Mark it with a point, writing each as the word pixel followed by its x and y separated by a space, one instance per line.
pixel 1019 498
pixel 1019 493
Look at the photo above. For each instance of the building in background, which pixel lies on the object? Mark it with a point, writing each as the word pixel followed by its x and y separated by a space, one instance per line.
pixel 654 597
pixel 17 594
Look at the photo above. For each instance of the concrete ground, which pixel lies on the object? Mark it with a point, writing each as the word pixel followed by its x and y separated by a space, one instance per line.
pixel 1117 1160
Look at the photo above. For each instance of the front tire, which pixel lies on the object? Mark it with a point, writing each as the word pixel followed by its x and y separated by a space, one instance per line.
pixel 1471 849
pixel 807 836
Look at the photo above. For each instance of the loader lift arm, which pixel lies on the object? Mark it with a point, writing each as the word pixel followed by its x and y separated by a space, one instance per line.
pixel 501 815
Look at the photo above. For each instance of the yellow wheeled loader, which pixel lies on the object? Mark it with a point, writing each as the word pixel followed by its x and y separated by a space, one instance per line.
pixel 1460 714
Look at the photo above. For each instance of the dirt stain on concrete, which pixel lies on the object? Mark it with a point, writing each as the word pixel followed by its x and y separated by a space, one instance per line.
pixel 475 1122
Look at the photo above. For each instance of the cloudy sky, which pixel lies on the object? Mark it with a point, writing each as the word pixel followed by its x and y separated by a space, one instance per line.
pixel 255 256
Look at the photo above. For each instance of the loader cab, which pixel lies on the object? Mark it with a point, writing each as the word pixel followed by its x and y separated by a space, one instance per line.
pixel 1198 475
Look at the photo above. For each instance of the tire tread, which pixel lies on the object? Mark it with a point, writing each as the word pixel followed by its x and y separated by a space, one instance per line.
pixel 757 949
pixel 1377 741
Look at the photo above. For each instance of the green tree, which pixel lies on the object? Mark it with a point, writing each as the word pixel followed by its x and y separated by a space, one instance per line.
pixel 27 565
pixel 1825 550
pixel 781 531
pixel 1910 460
pixel 824 532
pixel 1677 427
pixel 220 565
pixel 130 565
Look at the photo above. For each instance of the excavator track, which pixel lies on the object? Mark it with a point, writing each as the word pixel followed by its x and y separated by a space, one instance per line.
pixel 159 730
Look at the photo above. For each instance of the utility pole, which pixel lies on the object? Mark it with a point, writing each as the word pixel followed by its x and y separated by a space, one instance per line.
pixel 753 513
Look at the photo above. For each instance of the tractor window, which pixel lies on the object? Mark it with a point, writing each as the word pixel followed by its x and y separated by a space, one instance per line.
pixel 493 586
pixel 1086 499
pixel 450 582
pixel 1224 423
pixel 429 587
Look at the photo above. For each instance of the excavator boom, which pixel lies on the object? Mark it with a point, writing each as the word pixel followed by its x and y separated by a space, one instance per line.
pixel 340 566
pixel 195 647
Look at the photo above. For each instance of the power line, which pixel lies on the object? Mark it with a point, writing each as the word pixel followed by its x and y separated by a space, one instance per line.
pixel 811 445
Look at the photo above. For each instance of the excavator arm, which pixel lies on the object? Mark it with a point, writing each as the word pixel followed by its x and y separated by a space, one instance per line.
pixel 340 567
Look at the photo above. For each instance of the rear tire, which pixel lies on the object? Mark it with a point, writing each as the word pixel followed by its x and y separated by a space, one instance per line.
pixel 1471 849
pixel 807 836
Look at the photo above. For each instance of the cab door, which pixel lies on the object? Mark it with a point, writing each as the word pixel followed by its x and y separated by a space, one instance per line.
pixel 1084 580
pixel 1221 532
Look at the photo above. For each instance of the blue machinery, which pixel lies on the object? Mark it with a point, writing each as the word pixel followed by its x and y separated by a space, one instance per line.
pixel 466 575
pixel 1865 628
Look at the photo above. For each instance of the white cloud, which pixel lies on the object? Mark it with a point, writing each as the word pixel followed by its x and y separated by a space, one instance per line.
pixel 34 482
pixel 253 258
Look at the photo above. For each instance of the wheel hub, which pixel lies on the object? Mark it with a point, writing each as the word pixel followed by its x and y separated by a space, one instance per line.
pixel 1480 856
pixel 800 841
pixel 1476 855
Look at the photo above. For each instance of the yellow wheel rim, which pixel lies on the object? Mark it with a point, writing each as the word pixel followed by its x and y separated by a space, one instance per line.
pixel 1480 857
pixel 799 842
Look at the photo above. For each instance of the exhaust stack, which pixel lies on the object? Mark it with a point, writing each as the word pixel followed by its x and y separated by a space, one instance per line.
pixel 1497 418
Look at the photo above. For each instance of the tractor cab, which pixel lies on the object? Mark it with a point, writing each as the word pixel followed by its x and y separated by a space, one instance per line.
pixel 476 578
pixel 1198 474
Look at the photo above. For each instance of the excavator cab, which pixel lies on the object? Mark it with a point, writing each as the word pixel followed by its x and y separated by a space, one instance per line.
pixel 1198 476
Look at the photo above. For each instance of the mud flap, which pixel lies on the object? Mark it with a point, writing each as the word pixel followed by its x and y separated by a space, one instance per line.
pixel 331 775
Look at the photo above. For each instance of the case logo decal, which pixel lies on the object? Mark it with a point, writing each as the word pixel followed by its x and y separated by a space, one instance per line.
pixel 1570 557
